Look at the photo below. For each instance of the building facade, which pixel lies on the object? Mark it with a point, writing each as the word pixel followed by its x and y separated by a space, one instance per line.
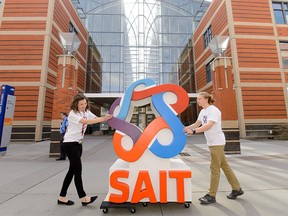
pixel 118 46
pixel 141 39
pixel 29 51
pixel 122 41
pixel 257 48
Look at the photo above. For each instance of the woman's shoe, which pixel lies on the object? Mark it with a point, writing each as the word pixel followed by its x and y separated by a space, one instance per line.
pixel 92 199
pixel 68 203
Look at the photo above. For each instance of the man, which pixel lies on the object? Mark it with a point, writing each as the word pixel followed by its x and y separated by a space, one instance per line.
pixel 209 122
pixel 63 128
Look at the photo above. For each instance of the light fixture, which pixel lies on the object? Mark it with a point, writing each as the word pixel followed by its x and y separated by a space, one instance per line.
pixel 218 45
pixel 70 42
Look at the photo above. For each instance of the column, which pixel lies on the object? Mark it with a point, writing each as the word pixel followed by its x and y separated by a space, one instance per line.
pixel 64 92
pixel 225 97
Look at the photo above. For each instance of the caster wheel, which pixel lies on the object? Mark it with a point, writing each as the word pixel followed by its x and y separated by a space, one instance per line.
pixel 145 204
pixel 132 210
pixel 105 211
pixel 187 205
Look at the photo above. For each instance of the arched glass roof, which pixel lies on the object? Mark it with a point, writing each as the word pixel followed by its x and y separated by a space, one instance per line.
pixel 138 38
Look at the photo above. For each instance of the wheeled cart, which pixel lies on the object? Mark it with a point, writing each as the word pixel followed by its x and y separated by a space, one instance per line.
pixel 105 205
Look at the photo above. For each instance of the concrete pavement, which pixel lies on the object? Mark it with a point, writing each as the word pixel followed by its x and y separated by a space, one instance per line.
pixel 30 181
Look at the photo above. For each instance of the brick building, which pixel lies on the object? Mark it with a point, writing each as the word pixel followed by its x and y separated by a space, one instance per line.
pixel 29 58
pixel 31 61
pixel 258 51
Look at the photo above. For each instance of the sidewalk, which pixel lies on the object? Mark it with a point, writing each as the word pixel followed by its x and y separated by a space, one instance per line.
pixel 30 181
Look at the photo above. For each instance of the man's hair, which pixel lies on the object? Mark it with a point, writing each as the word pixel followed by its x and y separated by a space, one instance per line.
pixel 208 96
pixel 64 113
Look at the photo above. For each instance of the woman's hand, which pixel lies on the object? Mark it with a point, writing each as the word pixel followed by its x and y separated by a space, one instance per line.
pixel 107 117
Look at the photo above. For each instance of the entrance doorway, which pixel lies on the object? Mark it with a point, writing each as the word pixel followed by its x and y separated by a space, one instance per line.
pixel 142 116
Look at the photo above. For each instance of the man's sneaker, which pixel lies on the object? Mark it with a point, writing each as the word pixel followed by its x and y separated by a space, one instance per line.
pixel 207 199
pixel 235 193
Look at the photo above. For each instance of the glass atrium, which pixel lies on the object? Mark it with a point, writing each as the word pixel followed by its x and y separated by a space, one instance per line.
pixel 138 39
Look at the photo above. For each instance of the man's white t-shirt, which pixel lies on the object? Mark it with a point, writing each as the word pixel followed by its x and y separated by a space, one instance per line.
pixel 76 130
pixel 214 136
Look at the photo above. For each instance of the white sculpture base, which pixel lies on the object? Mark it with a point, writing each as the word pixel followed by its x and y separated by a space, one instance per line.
pixel 172 185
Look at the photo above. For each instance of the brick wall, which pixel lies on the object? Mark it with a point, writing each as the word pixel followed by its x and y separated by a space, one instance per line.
pixel 260 82
pixel 29 46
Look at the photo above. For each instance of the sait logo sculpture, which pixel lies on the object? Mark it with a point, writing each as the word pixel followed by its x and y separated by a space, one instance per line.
pixel 146 171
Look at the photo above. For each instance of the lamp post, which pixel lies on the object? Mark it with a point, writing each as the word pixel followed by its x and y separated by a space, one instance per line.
pixel 66 86
pixel 218 46
pixel 70 42
pixel 224 93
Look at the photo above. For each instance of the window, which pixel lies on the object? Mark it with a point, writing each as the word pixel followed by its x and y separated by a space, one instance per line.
pixel 209 72
pixel 207 36
pixel 284 53
pixel 72 28
pixel 280 12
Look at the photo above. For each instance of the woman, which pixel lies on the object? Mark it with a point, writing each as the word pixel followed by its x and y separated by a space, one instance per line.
pixel 78 118
pixel 209 122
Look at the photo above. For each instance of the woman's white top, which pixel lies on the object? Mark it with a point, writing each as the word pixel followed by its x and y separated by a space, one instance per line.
pixel 76 130
pixel 214 136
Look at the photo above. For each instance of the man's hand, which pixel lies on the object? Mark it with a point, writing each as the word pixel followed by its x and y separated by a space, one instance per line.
pixel 187 130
